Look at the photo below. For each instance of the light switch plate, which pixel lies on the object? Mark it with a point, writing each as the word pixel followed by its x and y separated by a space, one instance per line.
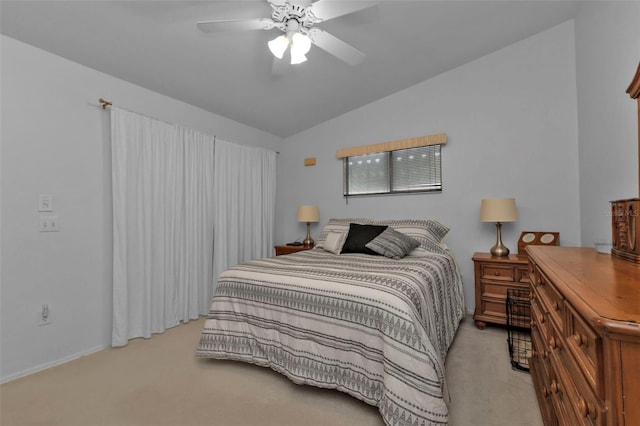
pixel 45 203
pixel 49 224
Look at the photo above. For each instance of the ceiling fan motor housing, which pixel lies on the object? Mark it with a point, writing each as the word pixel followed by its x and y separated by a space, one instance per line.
pixel 293 17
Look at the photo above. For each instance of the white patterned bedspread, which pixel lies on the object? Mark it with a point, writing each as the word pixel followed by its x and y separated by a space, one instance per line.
pixel 375 328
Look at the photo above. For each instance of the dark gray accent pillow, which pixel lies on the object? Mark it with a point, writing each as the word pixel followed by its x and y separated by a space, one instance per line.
pixel 359 236
pixel 393 244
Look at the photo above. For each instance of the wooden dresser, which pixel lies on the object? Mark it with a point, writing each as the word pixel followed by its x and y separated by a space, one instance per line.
pixel 585 361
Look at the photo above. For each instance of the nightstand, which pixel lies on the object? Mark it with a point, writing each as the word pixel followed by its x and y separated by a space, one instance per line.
pixel 280 250
pixel 493 276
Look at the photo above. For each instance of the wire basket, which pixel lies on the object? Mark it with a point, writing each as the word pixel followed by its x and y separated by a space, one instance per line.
pixel 519 328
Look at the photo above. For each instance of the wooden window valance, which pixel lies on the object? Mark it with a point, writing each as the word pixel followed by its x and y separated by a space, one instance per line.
pixel 439 139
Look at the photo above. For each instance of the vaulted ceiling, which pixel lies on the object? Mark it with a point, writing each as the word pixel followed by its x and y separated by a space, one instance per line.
pixel 156 45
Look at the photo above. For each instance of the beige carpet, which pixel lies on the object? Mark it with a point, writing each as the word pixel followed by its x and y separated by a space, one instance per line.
pixel 160 382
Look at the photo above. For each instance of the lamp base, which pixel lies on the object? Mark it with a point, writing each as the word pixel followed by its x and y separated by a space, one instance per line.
pixel 499 249
pixel 308 242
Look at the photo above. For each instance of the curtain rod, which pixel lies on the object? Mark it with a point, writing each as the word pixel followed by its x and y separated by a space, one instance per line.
pixel 104 103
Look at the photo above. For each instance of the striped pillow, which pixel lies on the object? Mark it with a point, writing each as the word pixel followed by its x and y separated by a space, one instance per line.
pixel 429 233
pixel 393 244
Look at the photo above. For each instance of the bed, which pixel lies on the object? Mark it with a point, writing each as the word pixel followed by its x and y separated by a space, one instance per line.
pixel 373 326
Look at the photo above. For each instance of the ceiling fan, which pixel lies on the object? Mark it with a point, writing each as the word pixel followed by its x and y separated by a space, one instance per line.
pixel 297 19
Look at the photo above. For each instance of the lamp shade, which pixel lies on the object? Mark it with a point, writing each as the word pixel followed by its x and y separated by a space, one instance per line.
pixel 308 213
pixel 498 210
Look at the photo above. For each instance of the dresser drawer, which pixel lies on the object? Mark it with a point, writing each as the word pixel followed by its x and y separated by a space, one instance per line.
pixel 578 406
pixel 586 347
pixel 551 301
pixel 498 272
pixel 539 320
pixel 537 368
pixel 539 347
pixel 559 397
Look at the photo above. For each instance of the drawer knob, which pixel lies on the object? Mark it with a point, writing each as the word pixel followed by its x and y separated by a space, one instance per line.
pixel 552 343
pixel 580 339
pixel 556 306
pixel 497 273
pixel 555 386
pixel 586 408
pixel 545 392
pixel 541 319
pixel 533 324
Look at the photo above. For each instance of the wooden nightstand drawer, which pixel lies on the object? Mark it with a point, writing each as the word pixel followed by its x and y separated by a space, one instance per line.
pixel 498 272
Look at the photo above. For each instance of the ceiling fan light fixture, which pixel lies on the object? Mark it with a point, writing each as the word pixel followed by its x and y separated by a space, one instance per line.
pixel 297 57
pixel 301 42
pixel 278 45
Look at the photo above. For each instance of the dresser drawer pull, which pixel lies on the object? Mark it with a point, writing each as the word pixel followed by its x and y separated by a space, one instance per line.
pixel 541 318
pixel 556 306
pixel 580 340
pixel 586 409
pixel 545 392
pixel 555 387
pixel 552 343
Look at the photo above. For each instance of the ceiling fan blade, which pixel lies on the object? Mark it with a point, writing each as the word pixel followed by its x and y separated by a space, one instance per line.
pixel 235 25
pixel 323 10
pixel 336 47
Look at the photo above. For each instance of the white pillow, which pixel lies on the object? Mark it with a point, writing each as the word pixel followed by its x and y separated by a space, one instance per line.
pixel 338 225
pixel 334 241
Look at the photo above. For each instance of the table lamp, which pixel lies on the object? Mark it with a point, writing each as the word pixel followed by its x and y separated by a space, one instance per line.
pixel 499 210
pixel 308 214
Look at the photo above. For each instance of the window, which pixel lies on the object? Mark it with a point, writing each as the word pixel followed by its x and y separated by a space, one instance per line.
pixel 392 172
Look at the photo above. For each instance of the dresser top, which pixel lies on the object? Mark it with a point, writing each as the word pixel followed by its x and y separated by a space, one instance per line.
pixel 601 286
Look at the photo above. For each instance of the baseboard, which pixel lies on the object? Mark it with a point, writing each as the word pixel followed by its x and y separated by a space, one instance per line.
pixel 48 365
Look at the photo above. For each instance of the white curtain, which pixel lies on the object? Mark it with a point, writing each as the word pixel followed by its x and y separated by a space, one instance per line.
pixel 244 204
pixel 163 225
pixel 172 187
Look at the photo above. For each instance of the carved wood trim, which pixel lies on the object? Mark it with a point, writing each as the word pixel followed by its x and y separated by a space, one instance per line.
pixel 634 87
pixel 634 91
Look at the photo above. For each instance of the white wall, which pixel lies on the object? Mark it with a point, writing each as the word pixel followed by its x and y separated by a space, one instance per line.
pixel 55 140
pixel 512 124
pixel 607 54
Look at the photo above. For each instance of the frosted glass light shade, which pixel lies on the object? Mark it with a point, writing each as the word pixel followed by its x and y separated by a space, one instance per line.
pixel 296 56
pixel 278 45
pixel 301 42
pixel 308 214
pixel 498 210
